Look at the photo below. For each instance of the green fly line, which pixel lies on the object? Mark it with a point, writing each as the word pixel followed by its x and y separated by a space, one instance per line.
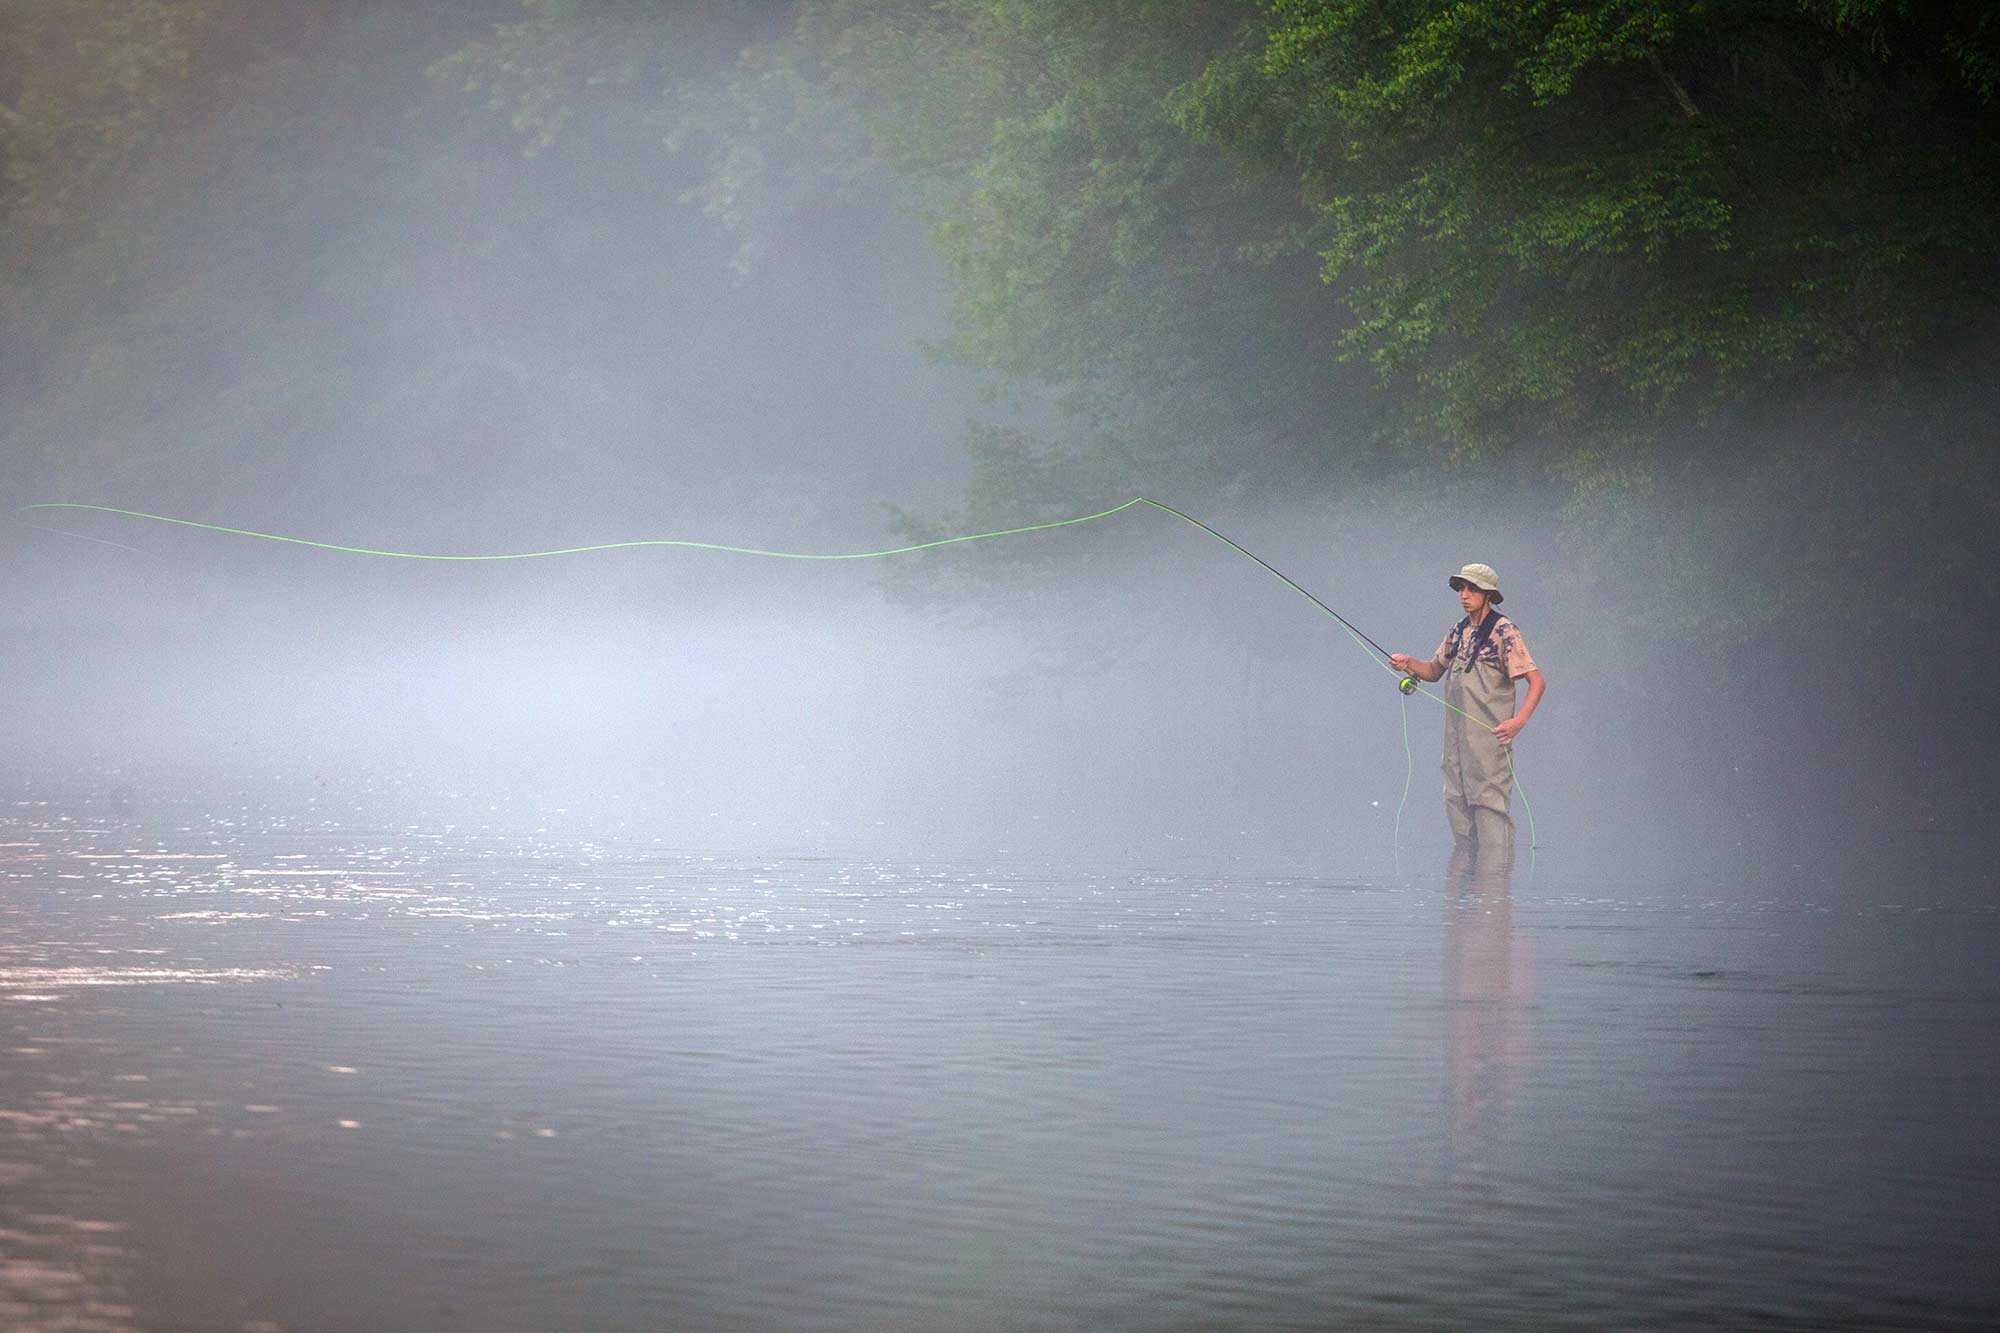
pixel 1366 644
pixel 601 546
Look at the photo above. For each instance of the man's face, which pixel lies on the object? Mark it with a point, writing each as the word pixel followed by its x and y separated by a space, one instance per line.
pixel 1471 598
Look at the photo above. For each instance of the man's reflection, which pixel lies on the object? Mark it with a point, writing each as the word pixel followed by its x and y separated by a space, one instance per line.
pixel 1488 994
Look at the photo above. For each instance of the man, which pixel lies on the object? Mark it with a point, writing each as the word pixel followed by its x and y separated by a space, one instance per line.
pixel 1481 658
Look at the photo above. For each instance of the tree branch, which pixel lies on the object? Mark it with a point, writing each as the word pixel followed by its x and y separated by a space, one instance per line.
pixel 1673 84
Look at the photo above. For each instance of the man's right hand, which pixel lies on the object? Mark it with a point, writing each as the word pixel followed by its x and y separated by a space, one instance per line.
pixel 1404 663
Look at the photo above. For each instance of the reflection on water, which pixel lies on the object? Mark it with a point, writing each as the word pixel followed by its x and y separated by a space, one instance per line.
pixel 1488 1002
pixel 287 1076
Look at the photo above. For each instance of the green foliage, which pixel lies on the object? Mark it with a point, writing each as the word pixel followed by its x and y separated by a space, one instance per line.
pixel 1096 253
pixel 1601 251
pixel 1605 244
pixel 543 68
pixel 82 84
pixel 1539 210
pixel 293 272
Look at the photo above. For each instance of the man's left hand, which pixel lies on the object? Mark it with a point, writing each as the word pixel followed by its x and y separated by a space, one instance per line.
pixel 1508 730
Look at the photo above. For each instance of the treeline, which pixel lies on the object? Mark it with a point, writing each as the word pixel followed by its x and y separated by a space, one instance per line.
pixel 1713 286
pixel 258 260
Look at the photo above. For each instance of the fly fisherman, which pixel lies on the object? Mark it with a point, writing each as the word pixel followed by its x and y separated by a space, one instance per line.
pixel 1481 658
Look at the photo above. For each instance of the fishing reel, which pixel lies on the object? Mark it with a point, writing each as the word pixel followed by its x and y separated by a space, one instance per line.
pixel 1408 685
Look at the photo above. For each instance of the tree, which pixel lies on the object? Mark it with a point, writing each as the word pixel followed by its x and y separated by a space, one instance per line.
pixel 82 84
pixel 1549 216
pixel 1095 251
pixel 1618 252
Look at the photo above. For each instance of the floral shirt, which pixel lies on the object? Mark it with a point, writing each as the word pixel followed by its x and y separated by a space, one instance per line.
pixel 1504 647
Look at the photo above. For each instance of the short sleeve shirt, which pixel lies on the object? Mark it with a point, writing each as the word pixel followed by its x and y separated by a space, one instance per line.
pixel 1504 647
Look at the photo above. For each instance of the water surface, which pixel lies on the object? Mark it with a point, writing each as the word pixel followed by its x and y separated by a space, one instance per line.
pixel 266 1075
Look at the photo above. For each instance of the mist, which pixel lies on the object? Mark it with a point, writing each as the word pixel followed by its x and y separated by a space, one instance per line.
pixel 472 345
pixel 1153 698
pixel 445 888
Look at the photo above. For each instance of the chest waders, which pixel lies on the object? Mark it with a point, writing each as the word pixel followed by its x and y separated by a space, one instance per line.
pixel 1478 770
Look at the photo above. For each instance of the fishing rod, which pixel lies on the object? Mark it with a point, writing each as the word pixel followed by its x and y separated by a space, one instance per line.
pixel 1408 686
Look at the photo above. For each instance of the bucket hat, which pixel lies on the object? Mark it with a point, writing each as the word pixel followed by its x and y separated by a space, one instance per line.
pixel 1481 577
